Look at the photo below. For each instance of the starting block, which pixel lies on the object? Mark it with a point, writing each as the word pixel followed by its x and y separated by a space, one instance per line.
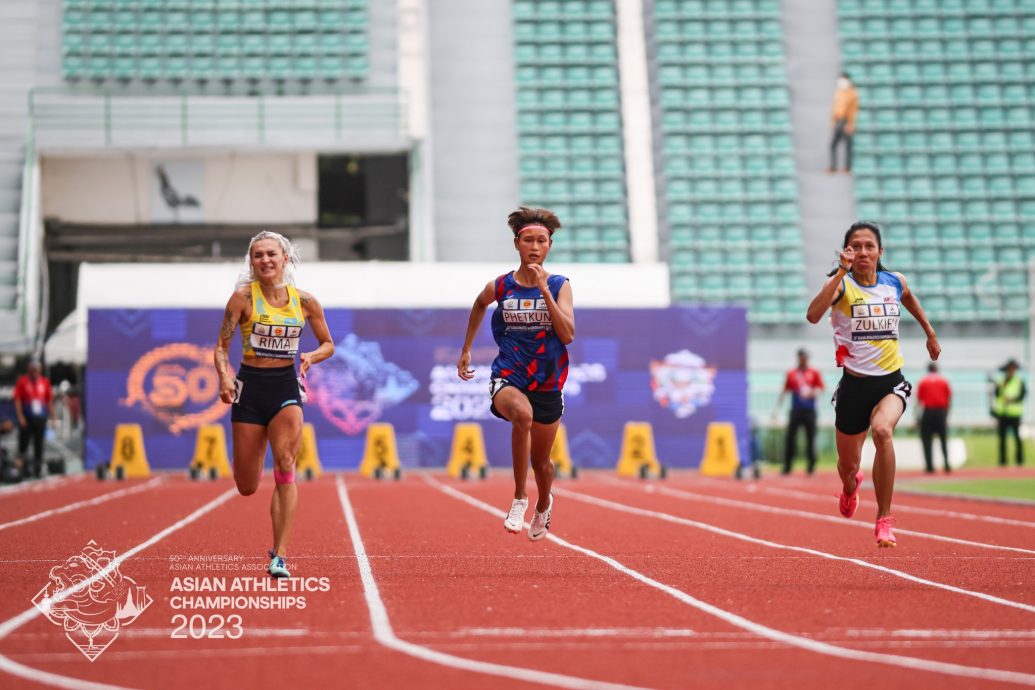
pixel 380 457
pixel 128 458
pixel 308 460
pixel 638 458
pixel 210 459
pixel 467 456
pixel 560 455
pixel 721 457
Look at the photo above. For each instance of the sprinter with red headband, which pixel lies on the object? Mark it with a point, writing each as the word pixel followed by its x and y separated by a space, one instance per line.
pixel 533 323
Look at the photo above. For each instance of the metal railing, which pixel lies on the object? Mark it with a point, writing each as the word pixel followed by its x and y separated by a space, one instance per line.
pixel 360 121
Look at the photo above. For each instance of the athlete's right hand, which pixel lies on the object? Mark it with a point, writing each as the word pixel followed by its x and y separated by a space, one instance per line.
pixel 227 391
pixel 846 257
pixel 463 366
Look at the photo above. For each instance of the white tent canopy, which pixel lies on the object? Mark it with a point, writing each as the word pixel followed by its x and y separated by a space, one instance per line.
pixel 388 285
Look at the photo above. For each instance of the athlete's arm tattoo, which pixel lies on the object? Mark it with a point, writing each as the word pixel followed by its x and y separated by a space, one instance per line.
pixel 226 332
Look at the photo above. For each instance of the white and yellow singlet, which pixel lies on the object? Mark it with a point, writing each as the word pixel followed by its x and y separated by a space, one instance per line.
pixel 865 320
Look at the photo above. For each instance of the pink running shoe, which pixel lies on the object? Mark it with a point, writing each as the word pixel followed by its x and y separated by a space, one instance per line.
pixel 885 537
pixel 848 503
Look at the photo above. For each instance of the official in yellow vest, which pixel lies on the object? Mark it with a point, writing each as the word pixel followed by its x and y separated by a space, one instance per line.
pixel 1008 409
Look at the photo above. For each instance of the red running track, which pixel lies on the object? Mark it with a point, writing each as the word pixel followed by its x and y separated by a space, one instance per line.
pixel 684 583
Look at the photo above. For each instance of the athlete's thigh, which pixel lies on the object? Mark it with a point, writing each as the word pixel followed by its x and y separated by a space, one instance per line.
pixel 249 449
pixel 285 432
pixel 888 411
pixel 511 403
pixel 543 436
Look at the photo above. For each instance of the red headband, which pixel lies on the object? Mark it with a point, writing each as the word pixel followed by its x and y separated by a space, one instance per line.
pixel 533 226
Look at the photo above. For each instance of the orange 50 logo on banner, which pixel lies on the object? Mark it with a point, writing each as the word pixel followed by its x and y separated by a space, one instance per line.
pixel 177 384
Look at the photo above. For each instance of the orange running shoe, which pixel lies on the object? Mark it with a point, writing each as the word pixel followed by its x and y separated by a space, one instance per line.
pixel 885 537
pixel 848 503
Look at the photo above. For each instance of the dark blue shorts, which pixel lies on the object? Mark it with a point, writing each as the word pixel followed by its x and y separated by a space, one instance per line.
pixel 261 393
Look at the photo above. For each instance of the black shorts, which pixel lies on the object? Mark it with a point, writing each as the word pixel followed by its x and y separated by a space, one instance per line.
pixel 856 397
pixel 261 393
pixel 547 406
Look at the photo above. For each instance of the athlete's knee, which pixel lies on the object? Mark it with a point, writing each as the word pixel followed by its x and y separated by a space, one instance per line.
pixel 882 433
pixel 541 464
pixel 284 470
pixel 247 489
pixel 522 419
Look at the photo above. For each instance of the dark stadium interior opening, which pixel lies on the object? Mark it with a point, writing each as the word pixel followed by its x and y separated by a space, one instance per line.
pixel 363 207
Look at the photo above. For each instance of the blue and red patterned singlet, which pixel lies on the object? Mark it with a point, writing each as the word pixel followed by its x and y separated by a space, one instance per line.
pixel 531 356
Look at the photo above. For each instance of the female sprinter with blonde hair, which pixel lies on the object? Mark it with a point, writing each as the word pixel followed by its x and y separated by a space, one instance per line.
pixel 266 394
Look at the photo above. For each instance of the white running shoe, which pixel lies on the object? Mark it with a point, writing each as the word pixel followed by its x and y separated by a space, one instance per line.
pixel 516 519
pixel 541 522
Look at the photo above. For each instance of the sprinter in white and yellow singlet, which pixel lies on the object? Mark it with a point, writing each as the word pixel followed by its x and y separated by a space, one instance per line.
pixel 866 302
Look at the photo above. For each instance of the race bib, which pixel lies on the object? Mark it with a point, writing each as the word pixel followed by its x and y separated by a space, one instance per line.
pixel 526 314
pixel 275 341
pixel 875 321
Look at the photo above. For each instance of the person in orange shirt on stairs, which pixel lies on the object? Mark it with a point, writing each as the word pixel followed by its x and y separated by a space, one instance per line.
pixel 842 115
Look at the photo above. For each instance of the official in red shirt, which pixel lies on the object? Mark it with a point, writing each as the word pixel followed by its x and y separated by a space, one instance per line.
pixel 934 395
pixel 804 384
pixel 32 399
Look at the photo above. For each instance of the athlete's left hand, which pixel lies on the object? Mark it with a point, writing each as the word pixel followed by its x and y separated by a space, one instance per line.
pixel 540 276
pixel 933 348
pixel 305 361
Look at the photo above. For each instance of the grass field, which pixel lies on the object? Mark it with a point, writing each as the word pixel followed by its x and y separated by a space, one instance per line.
pixel 982 448
pixel 982 452
pixel 1017 487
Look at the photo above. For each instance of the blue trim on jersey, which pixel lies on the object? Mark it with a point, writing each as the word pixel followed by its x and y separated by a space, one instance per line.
pixel 889 278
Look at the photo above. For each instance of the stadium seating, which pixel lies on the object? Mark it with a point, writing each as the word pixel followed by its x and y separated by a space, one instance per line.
pixel 944 148
pixel 569 124
pixel 205 40
pixel 727 155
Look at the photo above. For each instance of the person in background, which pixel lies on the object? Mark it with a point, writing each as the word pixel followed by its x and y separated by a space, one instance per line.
pixel 842 116
pixel 1008 409
pixel 934 395
pixel 804 384
pixel 10 468
pixel 33 398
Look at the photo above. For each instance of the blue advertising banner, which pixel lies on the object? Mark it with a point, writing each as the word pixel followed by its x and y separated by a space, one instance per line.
pixel 677 368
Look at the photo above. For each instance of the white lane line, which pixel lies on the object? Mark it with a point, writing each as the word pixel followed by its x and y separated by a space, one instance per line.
pixel 765 631
pixel 675 519
pixel 735 503
pixel 83 504
pixel 973 517
pixel 567 633
pixel 42 484
pixel 10 625
pixel 384 634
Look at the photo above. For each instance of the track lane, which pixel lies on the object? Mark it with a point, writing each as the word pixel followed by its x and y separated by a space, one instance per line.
pixel 327 643
pixel 774 596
